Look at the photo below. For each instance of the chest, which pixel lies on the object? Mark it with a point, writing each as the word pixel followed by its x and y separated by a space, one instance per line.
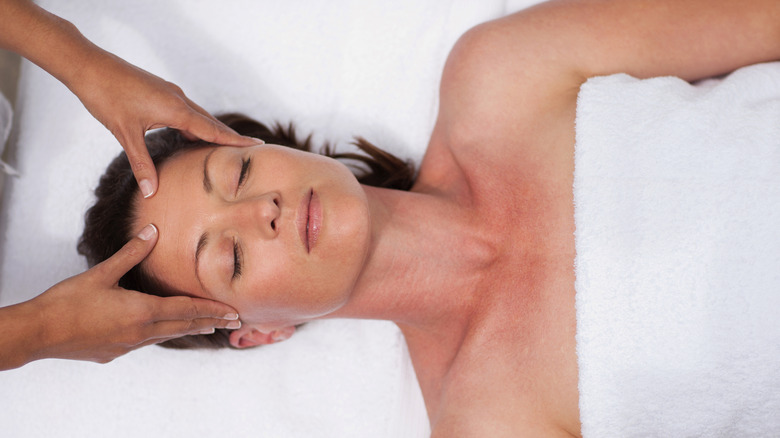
pixel 513 377
pixel 515 369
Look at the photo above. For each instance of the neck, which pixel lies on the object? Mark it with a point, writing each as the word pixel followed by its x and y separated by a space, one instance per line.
pixel 422 263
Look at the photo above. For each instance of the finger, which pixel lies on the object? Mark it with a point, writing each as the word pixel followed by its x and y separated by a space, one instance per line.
pixel 141 163
pixel 205 127
pixel 173 329
pixel 129 255
pixel 182 308
pixel 199 109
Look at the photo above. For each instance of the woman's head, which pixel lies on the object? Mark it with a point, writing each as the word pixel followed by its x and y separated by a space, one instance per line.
pixel 278 233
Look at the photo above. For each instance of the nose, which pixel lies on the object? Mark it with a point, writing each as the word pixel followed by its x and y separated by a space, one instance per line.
pixel 260 213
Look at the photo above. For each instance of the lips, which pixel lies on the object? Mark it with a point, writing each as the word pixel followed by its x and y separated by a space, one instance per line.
pixel 309 220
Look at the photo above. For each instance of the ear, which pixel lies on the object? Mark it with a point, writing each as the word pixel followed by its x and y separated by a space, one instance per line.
pixel 250 336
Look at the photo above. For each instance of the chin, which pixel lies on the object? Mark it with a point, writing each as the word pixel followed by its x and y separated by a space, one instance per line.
pixel 343 253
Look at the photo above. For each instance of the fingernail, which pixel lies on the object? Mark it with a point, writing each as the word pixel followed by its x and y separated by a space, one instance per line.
pixel 146 188
pixel 259 142
pixel 231 316
pixel 148 232
pixel 233 325
pixel 208 331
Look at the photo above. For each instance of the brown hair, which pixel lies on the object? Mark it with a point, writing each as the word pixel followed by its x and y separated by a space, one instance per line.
pixel 108 223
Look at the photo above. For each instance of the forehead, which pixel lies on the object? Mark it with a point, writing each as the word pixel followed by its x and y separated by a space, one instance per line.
pixel 178 212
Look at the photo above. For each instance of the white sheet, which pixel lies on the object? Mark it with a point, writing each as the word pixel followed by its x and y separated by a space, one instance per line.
pixel 337 68
pixel 677 198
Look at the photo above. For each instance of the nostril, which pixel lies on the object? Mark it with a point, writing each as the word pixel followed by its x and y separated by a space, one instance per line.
pixel 276 202
pixel 273 225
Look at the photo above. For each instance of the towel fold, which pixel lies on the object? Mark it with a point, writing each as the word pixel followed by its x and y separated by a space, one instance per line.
pixel 677 210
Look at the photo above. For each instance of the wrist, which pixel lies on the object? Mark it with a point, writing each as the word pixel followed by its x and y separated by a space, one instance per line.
pixel 22 342
pixel 71 57
pixel 50 42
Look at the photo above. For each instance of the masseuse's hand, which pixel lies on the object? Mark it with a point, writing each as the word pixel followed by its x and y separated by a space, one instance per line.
pixel 89 317
pixel 129 101
pixel 125 99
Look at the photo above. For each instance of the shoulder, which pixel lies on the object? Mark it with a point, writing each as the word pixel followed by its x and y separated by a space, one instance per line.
pixel 502 98
pixel 503 72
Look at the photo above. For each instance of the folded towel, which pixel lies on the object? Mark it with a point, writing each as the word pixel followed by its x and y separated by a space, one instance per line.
pixel 677 209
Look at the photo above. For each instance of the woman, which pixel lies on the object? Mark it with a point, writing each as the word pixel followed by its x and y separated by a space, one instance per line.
pixel 128 101
pixel 475 262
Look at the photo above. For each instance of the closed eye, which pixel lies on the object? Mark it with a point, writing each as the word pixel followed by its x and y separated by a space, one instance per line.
pixel 245 167
pixel 236 260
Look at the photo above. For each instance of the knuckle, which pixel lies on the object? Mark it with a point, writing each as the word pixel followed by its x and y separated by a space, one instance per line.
pixel 141 313
pixel 133 337
pixel 192 310
pixel 174 88
pixel 179 112
pixel 99 271
pixel 139 164
pixel 119 134
pixel 133 249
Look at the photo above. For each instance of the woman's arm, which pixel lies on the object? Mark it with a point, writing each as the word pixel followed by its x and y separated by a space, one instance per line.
pixel 691 39
pixel 518 77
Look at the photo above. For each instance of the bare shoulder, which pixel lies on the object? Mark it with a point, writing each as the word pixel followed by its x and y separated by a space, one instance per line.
pixel 509 86
pixel 504 105
pixel 501 81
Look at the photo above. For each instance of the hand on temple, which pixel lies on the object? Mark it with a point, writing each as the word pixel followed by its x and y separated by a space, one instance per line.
pixel 89 317
pixel 125 99
pixel 129 101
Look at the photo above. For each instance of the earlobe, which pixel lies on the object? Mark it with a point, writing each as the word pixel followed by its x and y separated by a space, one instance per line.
pixel 248 336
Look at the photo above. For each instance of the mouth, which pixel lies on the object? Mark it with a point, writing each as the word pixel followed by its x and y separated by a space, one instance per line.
pixel 309 220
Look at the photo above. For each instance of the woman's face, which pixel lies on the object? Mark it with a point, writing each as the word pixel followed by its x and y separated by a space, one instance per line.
pixel 279 234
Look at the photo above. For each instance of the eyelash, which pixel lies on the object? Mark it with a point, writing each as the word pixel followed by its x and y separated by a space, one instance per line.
pixel 244 172
pixel 236 250
pixel 236 260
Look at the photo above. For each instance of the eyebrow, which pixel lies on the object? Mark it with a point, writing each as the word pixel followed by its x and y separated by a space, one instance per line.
pixel 206 179
pixel 198 250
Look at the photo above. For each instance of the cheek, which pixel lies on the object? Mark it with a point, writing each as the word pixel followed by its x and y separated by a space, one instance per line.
pixel 292 291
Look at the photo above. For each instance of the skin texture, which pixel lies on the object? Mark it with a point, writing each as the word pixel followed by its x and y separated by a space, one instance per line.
pixel 71 321
pixel 128 101
pixel 475 264
pixel 281 282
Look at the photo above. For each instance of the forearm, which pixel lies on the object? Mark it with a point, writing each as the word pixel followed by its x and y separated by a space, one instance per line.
pixel 21 339
pixel 50 42
pixel 691 39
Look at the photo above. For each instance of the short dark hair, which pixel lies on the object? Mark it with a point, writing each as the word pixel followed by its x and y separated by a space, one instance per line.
pixel 108 223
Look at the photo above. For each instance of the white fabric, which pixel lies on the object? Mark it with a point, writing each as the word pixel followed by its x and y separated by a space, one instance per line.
pixel 677 198
pixel 338 68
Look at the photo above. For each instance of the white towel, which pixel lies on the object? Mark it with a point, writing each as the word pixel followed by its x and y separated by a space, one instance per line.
pixel 677 210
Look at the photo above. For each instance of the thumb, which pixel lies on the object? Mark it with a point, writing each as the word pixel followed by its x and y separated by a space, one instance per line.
pixel 130 255
pixel 141 163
